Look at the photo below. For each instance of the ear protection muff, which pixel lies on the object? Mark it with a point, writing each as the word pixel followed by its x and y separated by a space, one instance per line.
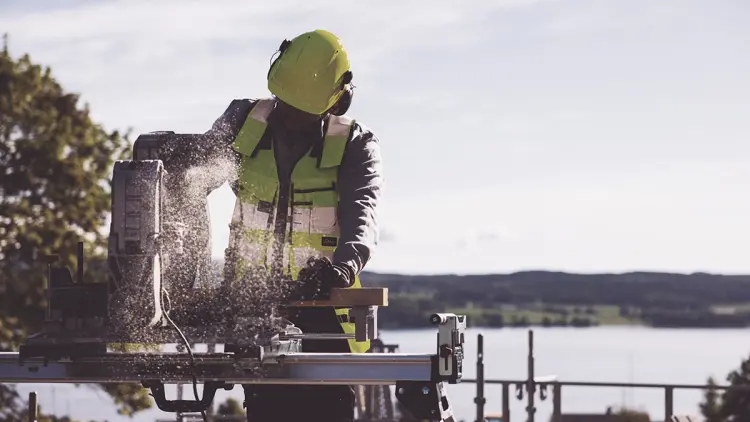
pixel 344 102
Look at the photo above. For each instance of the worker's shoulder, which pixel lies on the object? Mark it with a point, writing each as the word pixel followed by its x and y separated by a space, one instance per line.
pixel 235 114
pixel 360 132
pixel 247 101
pixel 363 146
pixel 241 105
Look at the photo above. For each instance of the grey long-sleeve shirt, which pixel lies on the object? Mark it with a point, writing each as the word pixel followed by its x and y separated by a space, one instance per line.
pixel 359 179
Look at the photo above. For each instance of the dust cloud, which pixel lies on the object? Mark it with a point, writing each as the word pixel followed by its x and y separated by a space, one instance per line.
pixel 233 304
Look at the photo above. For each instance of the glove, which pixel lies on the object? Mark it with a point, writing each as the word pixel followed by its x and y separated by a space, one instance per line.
pixel 344 275
pixel 320 276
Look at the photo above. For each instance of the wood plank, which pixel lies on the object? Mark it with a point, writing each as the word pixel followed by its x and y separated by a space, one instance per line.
pixel 366 296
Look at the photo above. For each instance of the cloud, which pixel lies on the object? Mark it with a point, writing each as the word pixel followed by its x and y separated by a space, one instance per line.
pixel 371 30
pixel 487 236
pixel 167 59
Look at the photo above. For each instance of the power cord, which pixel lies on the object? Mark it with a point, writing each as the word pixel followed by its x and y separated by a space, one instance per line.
pixel 164 300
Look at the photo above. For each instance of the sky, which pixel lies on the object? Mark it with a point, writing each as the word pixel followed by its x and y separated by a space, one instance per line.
pixel 571 135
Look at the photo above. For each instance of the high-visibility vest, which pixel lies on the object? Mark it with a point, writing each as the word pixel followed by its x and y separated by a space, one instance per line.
pixel 312 228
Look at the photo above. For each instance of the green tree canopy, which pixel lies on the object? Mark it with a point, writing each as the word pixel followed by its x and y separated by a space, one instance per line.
pixel 230 407
pixel 733 404
pixel 55 167
pixel 711 407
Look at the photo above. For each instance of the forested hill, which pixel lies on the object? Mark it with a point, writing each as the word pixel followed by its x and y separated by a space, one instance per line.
pixel 556 298
pixel 561 299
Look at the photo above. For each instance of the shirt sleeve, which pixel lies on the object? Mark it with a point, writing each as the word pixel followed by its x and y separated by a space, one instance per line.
pixel 217 142
pixel 226 127
pixel 184 151
pixel 360 181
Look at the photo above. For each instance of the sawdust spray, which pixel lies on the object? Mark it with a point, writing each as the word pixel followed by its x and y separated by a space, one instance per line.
pixel 247 299
pixel 203 300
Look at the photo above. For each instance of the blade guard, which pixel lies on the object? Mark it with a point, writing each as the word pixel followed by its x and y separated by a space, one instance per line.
pixel 133 259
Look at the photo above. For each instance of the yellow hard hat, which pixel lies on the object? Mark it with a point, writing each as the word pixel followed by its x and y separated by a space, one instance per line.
pixel 311 72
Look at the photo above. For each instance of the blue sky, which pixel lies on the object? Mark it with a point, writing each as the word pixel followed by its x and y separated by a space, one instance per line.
pixel 577 135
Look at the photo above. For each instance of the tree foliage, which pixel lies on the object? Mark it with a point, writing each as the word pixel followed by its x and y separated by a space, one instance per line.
pixel 711 407
pixel 55 166
pixel 733 404
pixel 21 413
pixel 230 407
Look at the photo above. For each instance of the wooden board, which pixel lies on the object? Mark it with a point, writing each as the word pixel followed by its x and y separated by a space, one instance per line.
pixel 366 296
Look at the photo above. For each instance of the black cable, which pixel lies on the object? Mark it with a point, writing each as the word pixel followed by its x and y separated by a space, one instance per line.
pixel 165 299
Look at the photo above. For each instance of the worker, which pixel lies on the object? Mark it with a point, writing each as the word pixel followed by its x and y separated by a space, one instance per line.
pixel 307 190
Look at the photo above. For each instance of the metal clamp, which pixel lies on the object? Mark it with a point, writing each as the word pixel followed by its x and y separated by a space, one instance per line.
pixel 450 349
pixel 365 322
pixel 209 392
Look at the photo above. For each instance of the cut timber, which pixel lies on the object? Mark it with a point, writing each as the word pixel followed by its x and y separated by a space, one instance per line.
pixel 342 298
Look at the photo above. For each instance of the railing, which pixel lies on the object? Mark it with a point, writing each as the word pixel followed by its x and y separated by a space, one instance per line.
pixel 534 384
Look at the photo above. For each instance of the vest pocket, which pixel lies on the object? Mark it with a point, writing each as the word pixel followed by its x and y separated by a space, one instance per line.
pixel 252 215
pixel 323 217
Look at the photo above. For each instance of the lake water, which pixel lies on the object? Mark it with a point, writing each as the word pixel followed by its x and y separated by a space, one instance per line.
pixel 603 354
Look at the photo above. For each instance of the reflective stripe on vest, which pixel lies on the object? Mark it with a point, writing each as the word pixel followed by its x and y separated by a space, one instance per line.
pixel 312 229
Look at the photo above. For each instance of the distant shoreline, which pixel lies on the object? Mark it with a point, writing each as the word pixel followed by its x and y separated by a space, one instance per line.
pixel 566 316
pixel 426 327
pixel 556 299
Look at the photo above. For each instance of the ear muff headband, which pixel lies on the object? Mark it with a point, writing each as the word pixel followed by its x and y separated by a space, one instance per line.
pixel 284 45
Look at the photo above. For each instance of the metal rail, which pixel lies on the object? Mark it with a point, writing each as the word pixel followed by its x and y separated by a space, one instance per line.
pixel 328 368
pixel 541 385
pixel 169 368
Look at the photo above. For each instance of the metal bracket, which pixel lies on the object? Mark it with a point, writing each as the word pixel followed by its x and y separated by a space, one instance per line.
pixel 365 322
pixel 424 400
pixel 450 351
pixel 182 406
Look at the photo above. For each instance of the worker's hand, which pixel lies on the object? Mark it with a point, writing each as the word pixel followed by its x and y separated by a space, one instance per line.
pixel 344 275
pixel 320 276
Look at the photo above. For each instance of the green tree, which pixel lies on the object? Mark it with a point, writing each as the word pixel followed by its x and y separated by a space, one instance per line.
pixel 54 191
pixel 711 405
pixel 735 406
pixel 230 407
